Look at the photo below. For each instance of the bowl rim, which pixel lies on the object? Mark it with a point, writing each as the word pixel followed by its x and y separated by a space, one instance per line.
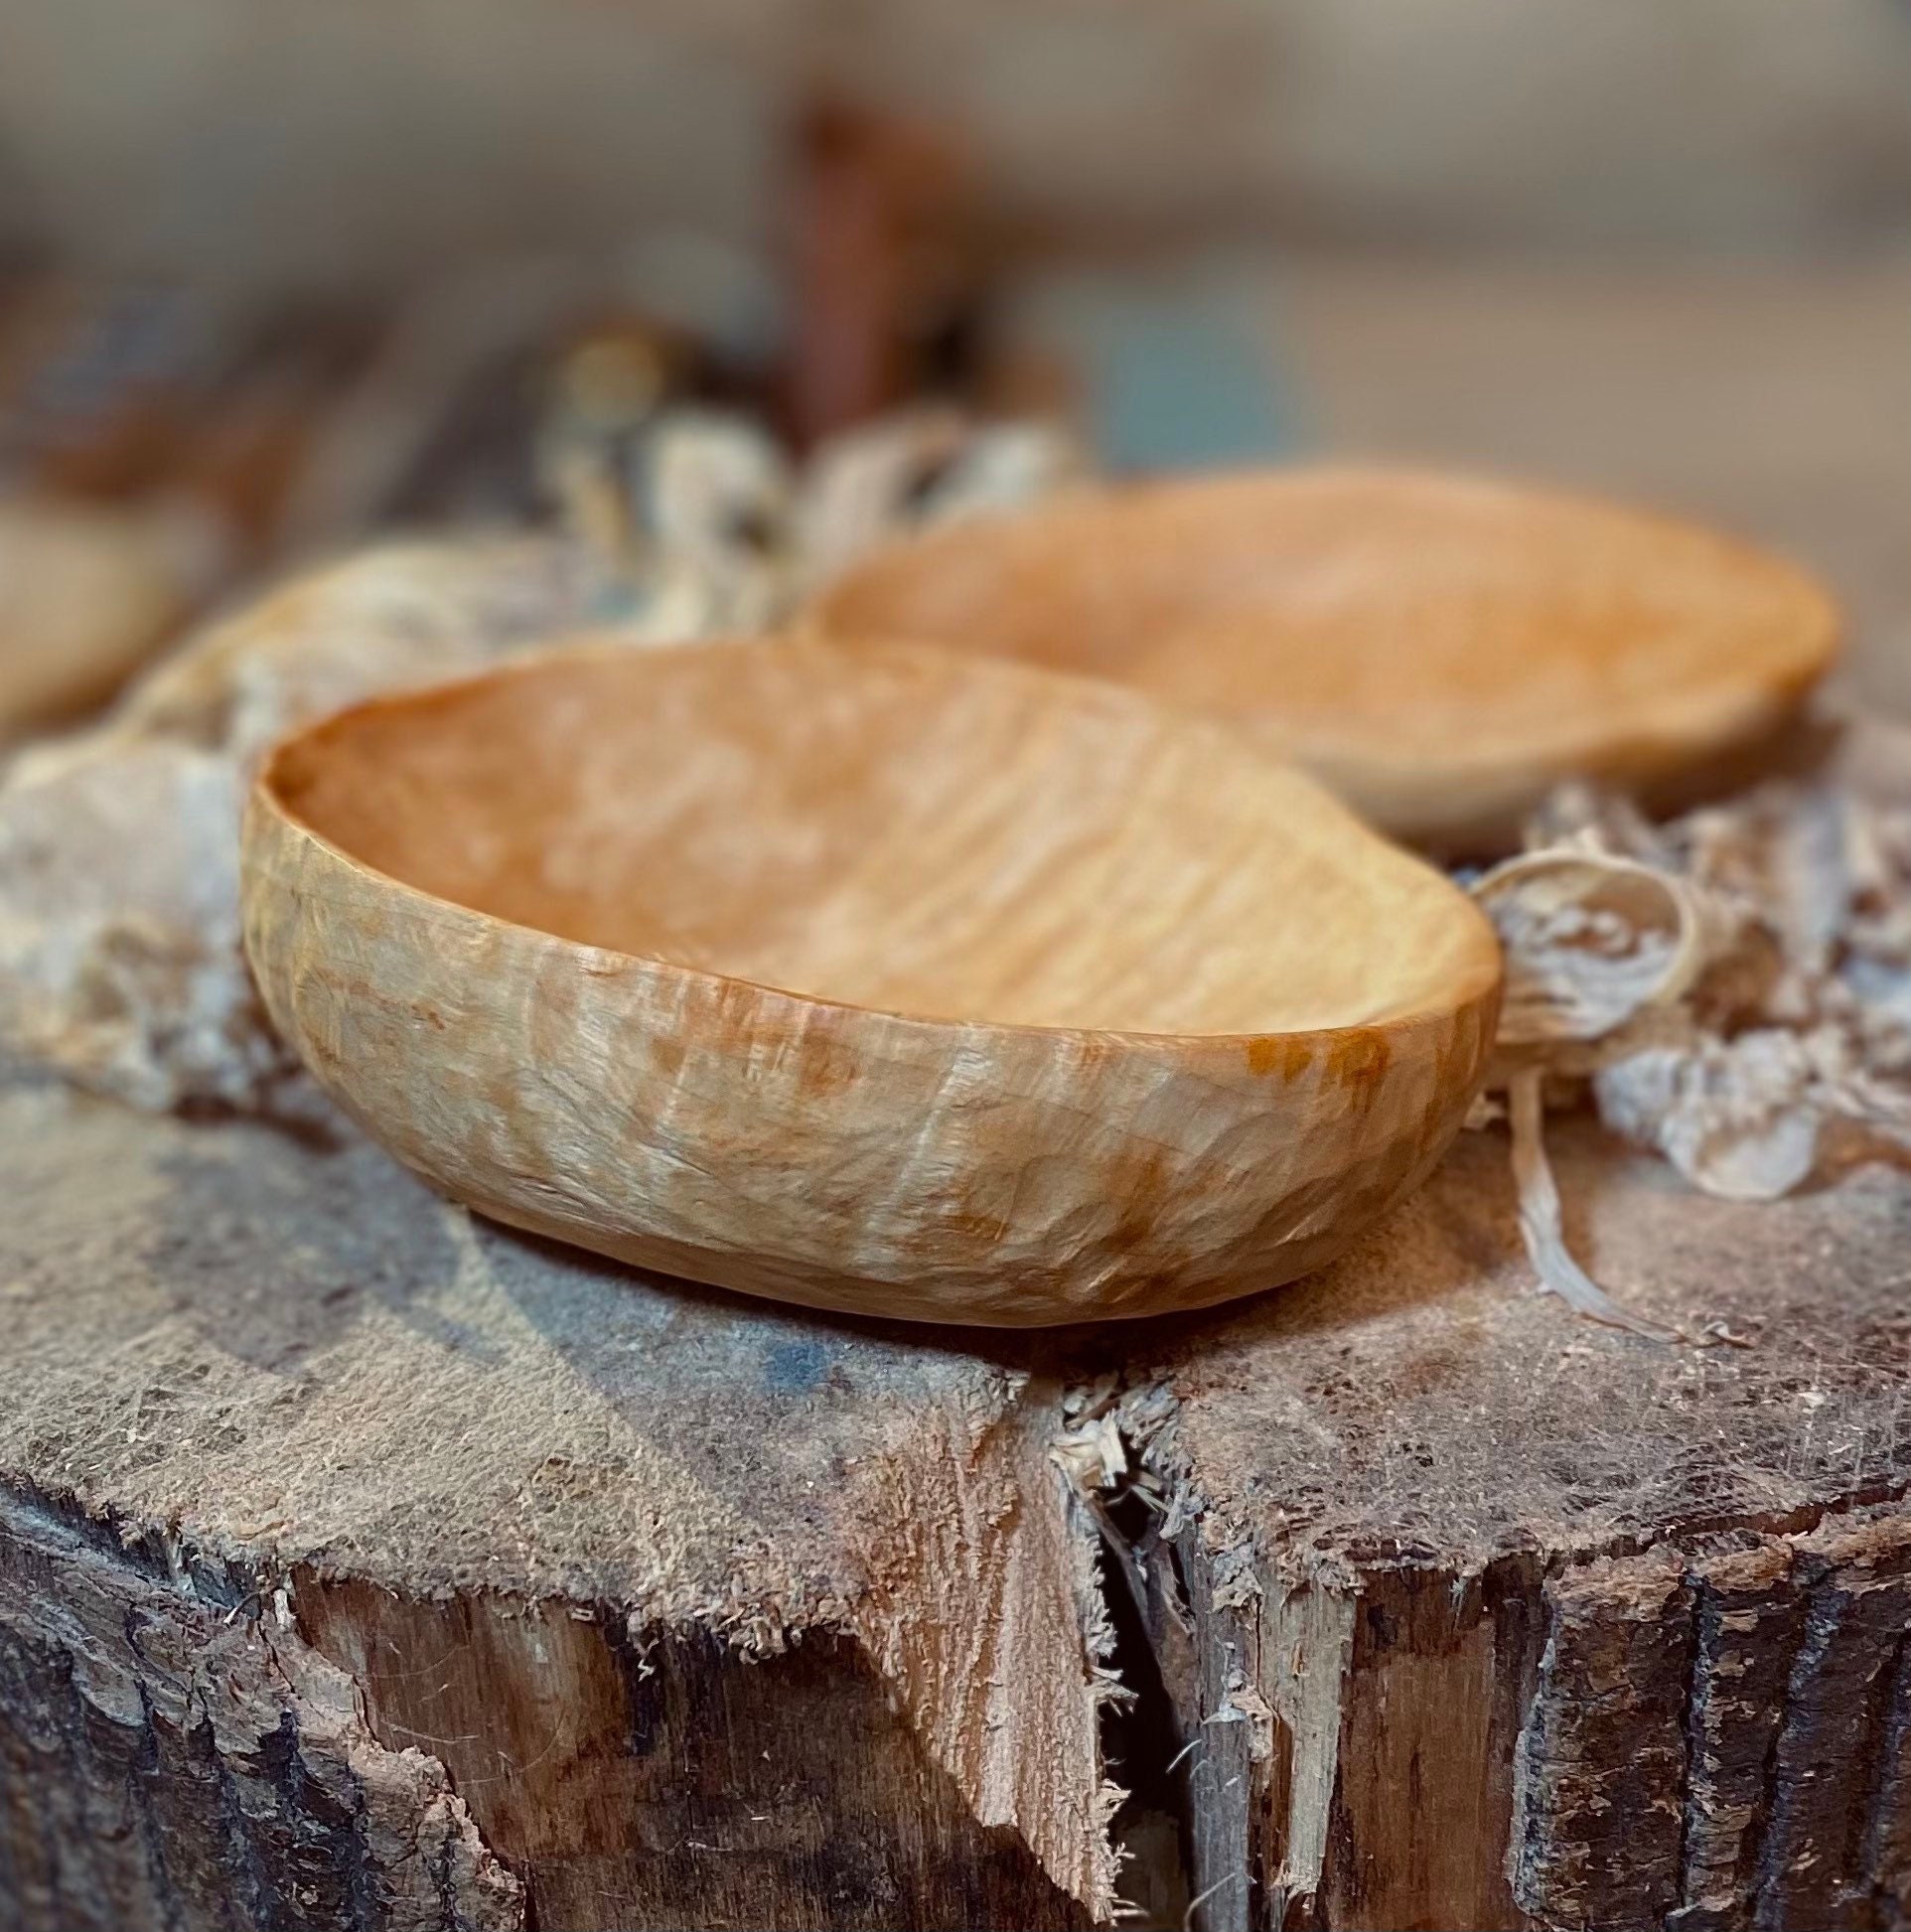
pixel 264 797
pixel 1704 711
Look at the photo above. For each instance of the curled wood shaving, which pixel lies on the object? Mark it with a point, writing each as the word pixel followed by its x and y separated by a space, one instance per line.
pixel 1590 939
pixel 1731 991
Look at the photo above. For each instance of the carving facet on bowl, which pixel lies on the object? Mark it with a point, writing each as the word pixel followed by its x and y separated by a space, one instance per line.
pixel 1440 651
pixel 884 981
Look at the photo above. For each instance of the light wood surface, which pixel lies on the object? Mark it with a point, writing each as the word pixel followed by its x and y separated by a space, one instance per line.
pixel 408 1575
pixel 363 1565
pixel 1439 650
pixel 884 979
pixel 87 593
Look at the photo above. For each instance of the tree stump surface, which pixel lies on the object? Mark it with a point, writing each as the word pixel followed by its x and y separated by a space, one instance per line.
pixel 362 1564
pixel 400 1571
pixel 1500 1618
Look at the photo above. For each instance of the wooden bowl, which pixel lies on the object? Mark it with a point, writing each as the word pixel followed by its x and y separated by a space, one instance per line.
pixel 888 980
pixel 1439 651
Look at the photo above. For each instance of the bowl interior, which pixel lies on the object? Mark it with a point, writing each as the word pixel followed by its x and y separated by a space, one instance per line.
pixel 1426 615
pixel 894 829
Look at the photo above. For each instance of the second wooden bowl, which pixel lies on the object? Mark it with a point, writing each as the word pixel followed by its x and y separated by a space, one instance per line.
pixel 882 981
pixel 1440 651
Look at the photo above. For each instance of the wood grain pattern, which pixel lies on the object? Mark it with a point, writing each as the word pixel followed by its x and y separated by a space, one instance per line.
pixel 885 982
pixel 1602 1762
pixel 1439 651
pixel 657 1778
pixel 1512 1621
pixel 595 1540
pixel 1414 1516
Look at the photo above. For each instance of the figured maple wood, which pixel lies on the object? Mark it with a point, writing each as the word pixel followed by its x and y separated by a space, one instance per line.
pixel 884 981
pixel 1441 651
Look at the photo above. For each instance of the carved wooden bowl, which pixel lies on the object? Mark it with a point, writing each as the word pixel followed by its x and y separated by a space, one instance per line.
pixel 886 980
pixel 1440 651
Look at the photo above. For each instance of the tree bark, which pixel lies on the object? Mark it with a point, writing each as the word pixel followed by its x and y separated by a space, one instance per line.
pixel 624 1603
pixel 1506 1621
pixel 364 1566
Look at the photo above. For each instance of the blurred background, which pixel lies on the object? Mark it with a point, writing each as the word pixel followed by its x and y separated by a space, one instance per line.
pixel 275 275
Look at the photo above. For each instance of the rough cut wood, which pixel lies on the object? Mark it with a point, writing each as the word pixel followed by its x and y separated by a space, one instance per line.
pixel 1504 1620
pixel 362 1564
pixel 1440 651
pixel 892 982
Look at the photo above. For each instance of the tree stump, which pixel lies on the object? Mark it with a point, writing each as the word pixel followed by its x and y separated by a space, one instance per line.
pixel 364 1566
pixel 1490 1617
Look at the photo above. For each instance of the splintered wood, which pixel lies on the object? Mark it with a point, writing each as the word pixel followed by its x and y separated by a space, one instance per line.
pixel 699 1614
pixel 363 1565
pixel 1554 1626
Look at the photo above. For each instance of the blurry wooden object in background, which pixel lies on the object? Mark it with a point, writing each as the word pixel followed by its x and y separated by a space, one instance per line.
pixel 873 260
pixel 87 593
pixel 1440 651
pixel 149 439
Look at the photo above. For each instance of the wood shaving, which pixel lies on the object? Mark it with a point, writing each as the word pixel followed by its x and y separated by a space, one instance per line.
pixel 1591 940
pixel 1730 992
pixel 119 941
pixel 1541 1222
pixel 1734 1116
pixel 916 469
